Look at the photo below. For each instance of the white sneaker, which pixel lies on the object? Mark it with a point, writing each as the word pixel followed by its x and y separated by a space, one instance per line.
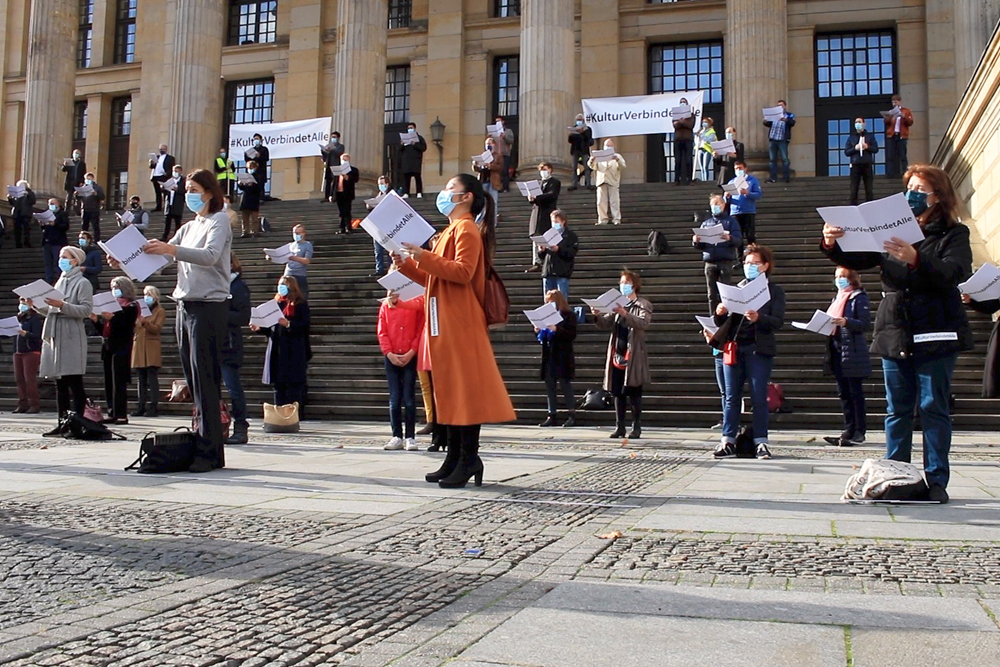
pixel 411 445
pixel 406 196
pixel 420 195
pixel 394 445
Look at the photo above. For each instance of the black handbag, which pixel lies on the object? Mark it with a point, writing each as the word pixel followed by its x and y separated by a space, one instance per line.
pixel 171 451
pixel 78 427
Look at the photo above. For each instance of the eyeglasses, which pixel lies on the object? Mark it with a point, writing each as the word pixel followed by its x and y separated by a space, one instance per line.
pixel 753 263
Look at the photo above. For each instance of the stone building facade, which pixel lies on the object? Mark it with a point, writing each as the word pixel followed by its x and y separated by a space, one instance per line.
pixel 118 77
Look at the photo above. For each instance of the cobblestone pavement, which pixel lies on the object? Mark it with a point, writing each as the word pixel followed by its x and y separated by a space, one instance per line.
pixel 328 551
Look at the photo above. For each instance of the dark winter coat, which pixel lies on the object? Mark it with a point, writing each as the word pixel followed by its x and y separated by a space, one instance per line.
pixel 991 373
pixel 760 334
pixel 411 157
pixel 250 201
pixel 22 207
pixel 288 350
pixel 921 314
pixel 725 166
pixel 32 341
pixel 175 199
pixel 93 264
pixel 122 334
pixel 684 129
pixel 542 207
pixel 559 263
pixel 92 203
pixel 74 175
pixel 848 342
pixel 239 317
pixel 580 142
pixel 851 148
pixel 558 350
pixel 263 157
pixel 350 180
pixel 55 234
pixel 726 251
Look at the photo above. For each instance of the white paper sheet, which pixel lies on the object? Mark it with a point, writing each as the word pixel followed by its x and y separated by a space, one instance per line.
pixel 603 155
pixel 105 302
pixel 67 162
pixel 773 113
pixel 405 288
pixel 408 139
pixel 374 201
pixel 246 179
pixel 38 291
pixel 266 314
pixel 45 216
pixel 984 285
pixel 10 326
pixel 251 154
pixel 394 222
pixel 867 227
pixel 710 235
pixel 551 237
pixel 327 147
pixel 723 146
pixel 154 156
pixel 280 254
pixel 169 185
pixel 738 184
pixel 742 300
pixel 143 308
pixel 820 323
pixel 126 247
pixel 530 188
pixel 494 130
pixel 890 114
pixel 124 218
pixel 339 169
pixel 16 191
pixel 707 323
pixel 84 191
pixel 484 158
pixel 544 316
pixel 680 112
pixel 607 301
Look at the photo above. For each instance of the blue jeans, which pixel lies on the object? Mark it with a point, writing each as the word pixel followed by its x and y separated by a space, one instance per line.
pixel 561 284
pixel 775 150
pixel 51 254
pixel 929 381
pixel 494 194
pixel 402 382
pixel 380 258
pixel 720 379
pixel 757 369
pixel 231 378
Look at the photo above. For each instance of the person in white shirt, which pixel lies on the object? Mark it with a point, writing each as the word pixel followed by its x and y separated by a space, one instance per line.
pixel 609 178
pixel 161 167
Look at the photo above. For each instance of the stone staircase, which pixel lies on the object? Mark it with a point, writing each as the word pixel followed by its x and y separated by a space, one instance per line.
pixel 346 373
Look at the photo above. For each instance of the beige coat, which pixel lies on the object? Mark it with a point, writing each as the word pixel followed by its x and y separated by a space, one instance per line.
pixel 609 172
pixel 638 317
pixel 146 345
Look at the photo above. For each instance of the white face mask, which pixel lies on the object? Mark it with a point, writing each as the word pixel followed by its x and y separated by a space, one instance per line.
pixel 609 146
pixel 545 173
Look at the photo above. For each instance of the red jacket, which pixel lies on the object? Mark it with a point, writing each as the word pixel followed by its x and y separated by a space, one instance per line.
pixel 399 329
pixel 423 354
pixel 904 126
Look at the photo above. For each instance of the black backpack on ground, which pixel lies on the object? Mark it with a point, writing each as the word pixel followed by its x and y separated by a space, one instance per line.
pixel 172 451
pixel 657 244
pixel 596 399
pixel 77 427
pixel 745 448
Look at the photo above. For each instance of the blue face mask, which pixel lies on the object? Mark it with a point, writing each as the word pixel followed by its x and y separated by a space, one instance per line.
pixel 716 209
pixel 89 181
pixel 283 289
pixel 859 126
pixel 411 130
pixel 23 307
pixel 625 288
pixel 917 201
pixel 444 203
pixel 256 142
pixel 53 208
pixel 730 135
pixel 149 300
pixel 82 242
pixel 117 293
pixel 751 271
pixel 842 283
pixel 194 202
pixel 557 226
pixel 741 172
pixel 579 123
pixel 334 140
pixel 297 237
pixel 383 187
pixel 65 265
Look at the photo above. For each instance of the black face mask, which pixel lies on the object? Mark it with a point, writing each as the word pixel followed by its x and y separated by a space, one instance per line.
pixel 135 204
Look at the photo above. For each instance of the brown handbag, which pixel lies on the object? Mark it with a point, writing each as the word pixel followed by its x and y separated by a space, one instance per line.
pixel 496 303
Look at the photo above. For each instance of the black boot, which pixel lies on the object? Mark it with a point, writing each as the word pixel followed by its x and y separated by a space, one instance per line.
pixel 468 465
pixel 240 434
pixel 449 437
pixel 619 418
pixel 549 421
pixel 636 417
pixel 437 438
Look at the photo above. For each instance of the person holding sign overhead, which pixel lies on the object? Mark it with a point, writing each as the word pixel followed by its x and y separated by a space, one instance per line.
pixel 343 192
pixel 861 148
pixel 558 361
pixel 541 210
pixel 64 341
pixel 683 147
pixel 118 332
pixel 749 346
pixel 398 333
pixel 609 178
pixel 468 388
pixel 288 350
pixel 201 250
pixel 626 370
pixel 921 325
pixel 847 356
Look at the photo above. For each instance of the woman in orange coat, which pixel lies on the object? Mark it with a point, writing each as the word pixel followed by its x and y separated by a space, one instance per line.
pixel 468 388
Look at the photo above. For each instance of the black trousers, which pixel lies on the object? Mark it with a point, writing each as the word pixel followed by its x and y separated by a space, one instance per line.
pixel 199 326
pixel 286 393
pixel 683 160
pixel 117 375
pixel 895 156
pixel 714 273
pixel 462 439
pixel 505 176
pixel 167 220
pixel 156 181
pixel 344 206
pixel 419 179
pixel 748 228
pixel 851 393
pixel 861 172
pixel 92 218
pixel 65 385
pixel 149 387
pixel 569 401
pixel 634 396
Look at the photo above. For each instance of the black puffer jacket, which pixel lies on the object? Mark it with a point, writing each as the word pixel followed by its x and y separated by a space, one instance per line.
pixel 921 314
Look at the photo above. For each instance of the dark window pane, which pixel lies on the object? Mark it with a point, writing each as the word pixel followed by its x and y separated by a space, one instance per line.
pixel 252 21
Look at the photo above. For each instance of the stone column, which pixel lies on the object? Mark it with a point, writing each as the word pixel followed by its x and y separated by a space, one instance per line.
pixel 545 96
pixel 359 83
pixel 975 21
pixel 50 86
pixel 196 84
pixel 756 57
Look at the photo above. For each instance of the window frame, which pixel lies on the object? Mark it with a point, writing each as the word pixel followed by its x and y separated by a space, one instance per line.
pixel 264 31
pixel 397 113
pixel 504 9
pixel 400 14
pixel 125 31
pixel 85 34
pixel 823 73
pixel 234 114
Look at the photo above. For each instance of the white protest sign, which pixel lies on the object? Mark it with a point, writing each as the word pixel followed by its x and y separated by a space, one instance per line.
pixel 246 179
pixel 640 114
pixel 680 112
pixel 84 191
pixel 10 326
pixel 486 157
pixel 38 291
pixel 773 113
pixel 867 227
pixel 169 185
pixel 266 314
pixel 126 248
pixel 820 323
pixel 607 301
pixel 394 222
pixel 105 302
pixel 602 155
pixel 723 146
pixel 144 310
pixel 16 191
pixel 751 296
pixel 984 285
pixel 707 323
pixel 530 188
pixel 494 130
pixel 551 237
pixel 45 216
pixel 544 316
pixel 890 114
pixel 710 235
pixel 408 138
pixel 296 138
pixel 279 255
pixel 124 218
pixel 374 201
pixel 402 286
pixel 339 169
pixel 736 185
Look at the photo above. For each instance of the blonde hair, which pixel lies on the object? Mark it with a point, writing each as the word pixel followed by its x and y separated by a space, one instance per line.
pixel 153 291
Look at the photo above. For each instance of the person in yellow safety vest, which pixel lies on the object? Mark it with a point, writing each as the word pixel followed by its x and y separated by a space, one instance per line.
pixel 225 172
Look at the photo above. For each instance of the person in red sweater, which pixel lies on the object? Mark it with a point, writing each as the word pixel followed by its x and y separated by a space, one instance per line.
pixel 399 338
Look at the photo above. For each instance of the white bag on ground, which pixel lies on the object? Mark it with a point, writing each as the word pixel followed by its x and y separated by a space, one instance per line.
pixel 883 479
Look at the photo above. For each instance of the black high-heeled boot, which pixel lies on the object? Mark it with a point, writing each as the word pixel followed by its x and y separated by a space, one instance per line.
pixel 448 438
pixel 469 464
pixel 437 438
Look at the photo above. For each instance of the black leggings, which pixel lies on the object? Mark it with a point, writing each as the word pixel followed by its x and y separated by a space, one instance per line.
pixel 66 384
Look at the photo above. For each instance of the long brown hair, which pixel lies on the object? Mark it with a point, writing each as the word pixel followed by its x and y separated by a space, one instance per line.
pixel 295 295
pixel 557 297
pixel 948 205
pixel 210 183
pixel 482 202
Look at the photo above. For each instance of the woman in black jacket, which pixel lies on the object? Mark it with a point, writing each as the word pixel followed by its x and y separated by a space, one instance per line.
pixel 991 372
pixel 847 356
pixel 921 326
pixel 27 358
pixel 288 349
pixel 253 192
pixel 558 362
pixel 116 352
pixel 557 260
pixel 752 335
pixel 232 350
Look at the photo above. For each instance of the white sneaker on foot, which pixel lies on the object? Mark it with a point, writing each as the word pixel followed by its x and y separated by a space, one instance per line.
pixel 394 445
pixel 406 196
pixel 420 195
pixel 762 451
pixel 410 445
